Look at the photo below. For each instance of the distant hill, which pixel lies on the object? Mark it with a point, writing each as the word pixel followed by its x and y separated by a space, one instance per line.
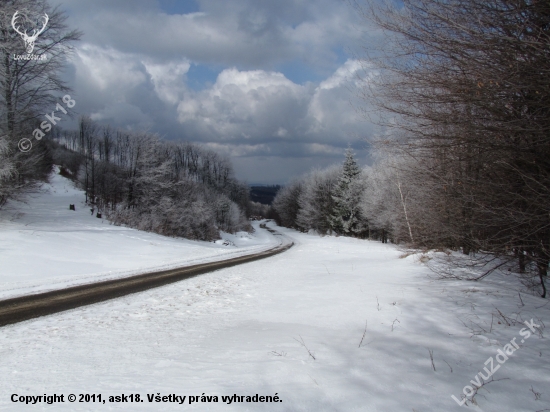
pixel 263 194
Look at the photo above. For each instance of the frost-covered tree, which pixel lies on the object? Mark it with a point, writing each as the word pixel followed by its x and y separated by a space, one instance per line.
pixel 260 210
pixel 286 204
pixel 6 168
pixel 379 204
pixel 317 200
pixel 346 218
pixel 326 201
pixel 392 201
pixel 136 179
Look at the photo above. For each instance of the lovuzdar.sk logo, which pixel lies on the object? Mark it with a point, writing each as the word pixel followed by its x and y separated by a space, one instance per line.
pixel 22 28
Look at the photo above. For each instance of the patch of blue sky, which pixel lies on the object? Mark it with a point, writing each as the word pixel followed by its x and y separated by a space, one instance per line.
pixel 201 76
pixel 298 72
pixel 301 72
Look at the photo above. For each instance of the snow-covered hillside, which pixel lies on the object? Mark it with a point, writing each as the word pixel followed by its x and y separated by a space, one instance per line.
pixel 44 245
pixel 333 324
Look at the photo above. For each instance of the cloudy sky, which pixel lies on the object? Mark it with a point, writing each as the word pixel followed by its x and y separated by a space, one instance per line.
pixel 271 83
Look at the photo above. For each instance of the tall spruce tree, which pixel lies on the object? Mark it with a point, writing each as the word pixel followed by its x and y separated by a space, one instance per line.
pixel 346 217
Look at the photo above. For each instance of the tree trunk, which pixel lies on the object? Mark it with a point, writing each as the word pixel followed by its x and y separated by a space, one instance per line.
pixel 542 265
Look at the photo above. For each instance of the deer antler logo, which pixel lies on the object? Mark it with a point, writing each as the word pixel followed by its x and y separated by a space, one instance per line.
pixel 29 40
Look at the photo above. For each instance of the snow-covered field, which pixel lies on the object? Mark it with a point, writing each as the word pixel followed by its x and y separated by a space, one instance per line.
pixel 292 325
pixel 44 245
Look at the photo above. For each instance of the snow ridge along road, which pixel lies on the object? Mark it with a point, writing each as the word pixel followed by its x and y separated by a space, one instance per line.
pixel 28 307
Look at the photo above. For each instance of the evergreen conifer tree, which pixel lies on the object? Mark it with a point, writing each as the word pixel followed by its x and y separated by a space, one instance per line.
pixel 346 217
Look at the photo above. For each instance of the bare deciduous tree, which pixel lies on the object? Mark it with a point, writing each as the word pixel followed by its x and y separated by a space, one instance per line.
pixel 465 86
pixel 29 87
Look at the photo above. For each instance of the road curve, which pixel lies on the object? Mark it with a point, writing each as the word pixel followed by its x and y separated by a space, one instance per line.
pixel 32 306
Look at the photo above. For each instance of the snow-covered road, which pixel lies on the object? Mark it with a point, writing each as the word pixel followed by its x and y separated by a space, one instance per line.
pixel 292 325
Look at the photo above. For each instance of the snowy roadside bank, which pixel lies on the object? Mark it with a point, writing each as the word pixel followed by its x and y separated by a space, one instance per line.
pixel 45 246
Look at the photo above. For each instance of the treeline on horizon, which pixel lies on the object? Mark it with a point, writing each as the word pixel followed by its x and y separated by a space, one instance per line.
pixel 263 194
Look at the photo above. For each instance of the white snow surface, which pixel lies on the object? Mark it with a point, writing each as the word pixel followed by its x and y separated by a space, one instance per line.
pixel 46 246
pixel 291 325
